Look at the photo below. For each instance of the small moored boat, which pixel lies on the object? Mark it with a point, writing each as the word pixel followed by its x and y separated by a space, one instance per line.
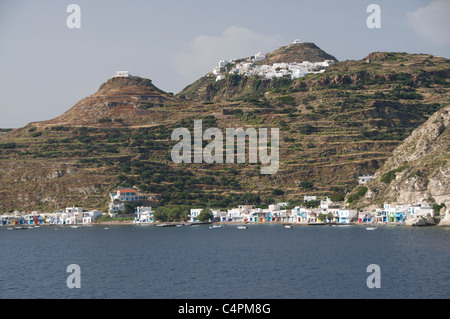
pixel 242 227
pixel 20 227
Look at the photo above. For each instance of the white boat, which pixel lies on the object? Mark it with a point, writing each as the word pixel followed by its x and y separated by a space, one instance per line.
pixel 242 227
pixel 287 226
pixel 216 226
pixel 371 228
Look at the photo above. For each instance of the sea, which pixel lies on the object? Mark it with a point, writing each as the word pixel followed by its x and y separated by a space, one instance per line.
pixel 265 261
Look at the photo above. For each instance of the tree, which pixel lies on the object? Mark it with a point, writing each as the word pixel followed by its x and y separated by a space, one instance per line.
pixel 171 213
pixel 338 197
pixel 330 217
pixel 277 192
pixel 306 184
pixel 129 208
pixel 312 204
pixel 437 208
pixel 205 215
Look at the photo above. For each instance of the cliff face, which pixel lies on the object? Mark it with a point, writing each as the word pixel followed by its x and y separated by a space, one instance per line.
pixel 419 168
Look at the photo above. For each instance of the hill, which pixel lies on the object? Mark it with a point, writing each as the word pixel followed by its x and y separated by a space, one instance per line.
pixel 297 52
pixel 334 126
pixel 118 100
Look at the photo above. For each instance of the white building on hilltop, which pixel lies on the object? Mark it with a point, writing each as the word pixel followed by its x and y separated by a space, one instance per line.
pixel 122 74
pixel 258 57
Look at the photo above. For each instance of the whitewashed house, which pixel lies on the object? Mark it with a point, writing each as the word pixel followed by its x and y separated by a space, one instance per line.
pixel 144 215
pixel 311 217
pixel 67 218
pixel 237 214
pixel 223 62
pixel 420 211
pixel 115 208
pixel 219 215
pixel 194 214
pixel 258 57
pixel 307 198
pixel 274 207
pixel 74 215
pixel 34 218
pixel 345 216
pixel 334 209
pixel 366 217
pixel 125 194
pixel 365 179
pixel 91 216
pixel 300 214
pixel 325 203
pixel 234 215
pixel 217 70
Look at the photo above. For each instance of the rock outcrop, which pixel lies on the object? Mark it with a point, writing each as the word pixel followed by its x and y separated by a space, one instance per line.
pixel 419 168
pixel 421 221
pixel 445 215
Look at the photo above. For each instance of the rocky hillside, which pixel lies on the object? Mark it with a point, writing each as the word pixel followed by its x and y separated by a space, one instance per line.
pixel 333 126
pixel 419 168
pixel 297 52
pixel 118 100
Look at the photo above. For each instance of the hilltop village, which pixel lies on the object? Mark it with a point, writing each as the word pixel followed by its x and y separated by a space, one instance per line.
pixel 251 67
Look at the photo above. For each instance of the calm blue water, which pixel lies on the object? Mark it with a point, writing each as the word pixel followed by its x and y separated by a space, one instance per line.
pixel 263 261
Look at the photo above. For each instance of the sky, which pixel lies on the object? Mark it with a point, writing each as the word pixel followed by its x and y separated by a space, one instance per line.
pixel 47 67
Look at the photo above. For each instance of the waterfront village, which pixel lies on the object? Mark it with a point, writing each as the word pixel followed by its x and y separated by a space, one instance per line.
pixel 325 212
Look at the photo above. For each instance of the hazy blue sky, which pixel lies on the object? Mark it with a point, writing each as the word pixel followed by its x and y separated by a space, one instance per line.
pixel 45 67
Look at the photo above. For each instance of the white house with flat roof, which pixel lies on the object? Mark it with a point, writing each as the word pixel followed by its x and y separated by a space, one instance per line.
pixel 194 214
pixel 89 217
pixel 144 215
pixel 365 179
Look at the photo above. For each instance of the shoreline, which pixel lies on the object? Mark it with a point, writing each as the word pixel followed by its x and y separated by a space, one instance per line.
pixel 186 223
